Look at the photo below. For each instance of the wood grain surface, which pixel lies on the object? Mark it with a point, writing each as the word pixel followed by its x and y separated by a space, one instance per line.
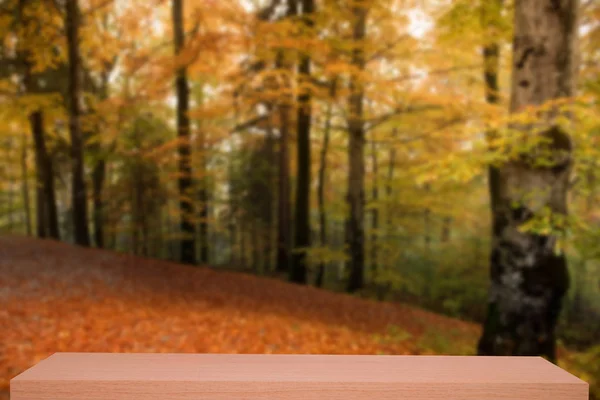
pixel 95 376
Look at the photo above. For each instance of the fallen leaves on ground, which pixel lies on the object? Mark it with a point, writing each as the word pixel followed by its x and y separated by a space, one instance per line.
pixel 57 297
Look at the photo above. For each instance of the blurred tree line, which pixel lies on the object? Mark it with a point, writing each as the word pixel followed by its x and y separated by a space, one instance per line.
pixel 384 148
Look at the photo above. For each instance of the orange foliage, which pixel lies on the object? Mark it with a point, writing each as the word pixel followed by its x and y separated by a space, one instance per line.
pixel 56 297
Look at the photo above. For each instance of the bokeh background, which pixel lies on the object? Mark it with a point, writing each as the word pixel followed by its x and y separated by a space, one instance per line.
pixel 281 176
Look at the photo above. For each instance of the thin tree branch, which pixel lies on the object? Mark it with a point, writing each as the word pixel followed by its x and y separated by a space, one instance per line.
pixel 381 52
pixel 248 124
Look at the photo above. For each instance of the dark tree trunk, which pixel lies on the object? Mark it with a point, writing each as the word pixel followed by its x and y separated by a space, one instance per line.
pixel 271 156
pixel 427 225
pixel 186 207
pixel 283 209
pixel 98 179
pixel 203 226
pixel 234 244
pixel 137 204
pixel 9 195
pixel 242 233
pixel 389 186
pixel 355 235
pixel 204 214
pixel 47 215
pixel 203 189
pixel 529 279
pixel 78 194
pixel 255 249
pixel 375 211
pixel 321 183
pixel 298 272
pixel 25 186
pixel 40 211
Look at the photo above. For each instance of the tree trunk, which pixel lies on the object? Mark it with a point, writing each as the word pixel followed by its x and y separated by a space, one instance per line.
pixel 283 224
pixel 25 186
pixel 135 209
pixel 374 211
pixel 203 226
pixel 186 207
pixel 98 179
pixel 47 215
pixel 529 279
pixel 321 183
pixel 242 235
pixel 255 249
pixel 389 186
pixel 271 156
pixel 234 246
pixel 299 267
pixel 78 194
pixel 427 225
pixel 355 234
pixel 203 193
pixel 9 195
pixel 40 210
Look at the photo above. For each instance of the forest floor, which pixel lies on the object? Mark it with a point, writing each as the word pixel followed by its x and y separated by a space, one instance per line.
pixel 57 297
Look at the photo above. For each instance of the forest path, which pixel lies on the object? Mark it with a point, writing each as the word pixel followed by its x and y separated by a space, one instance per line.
pixel 58 297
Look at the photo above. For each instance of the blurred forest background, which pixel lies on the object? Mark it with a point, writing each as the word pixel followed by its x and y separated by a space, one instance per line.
pixel 396 150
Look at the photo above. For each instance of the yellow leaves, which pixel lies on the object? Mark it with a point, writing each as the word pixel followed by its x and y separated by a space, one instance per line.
pixel 336 68
pixel 5 24
pixel 41 36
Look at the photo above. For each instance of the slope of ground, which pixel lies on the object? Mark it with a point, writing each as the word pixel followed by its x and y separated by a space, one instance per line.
pixel 56 297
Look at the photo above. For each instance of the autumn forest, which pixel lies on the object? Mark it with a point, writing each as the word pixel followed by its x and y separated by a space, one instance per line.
pixel 438 154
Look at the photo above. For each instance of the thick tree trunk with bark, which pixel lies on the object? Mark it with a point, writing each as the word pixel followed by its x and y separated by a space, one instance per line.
pixel 186 207
pixel 47 214
pixel 529 279
pixel 78 194
pixel 298 272
pixel 355 231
